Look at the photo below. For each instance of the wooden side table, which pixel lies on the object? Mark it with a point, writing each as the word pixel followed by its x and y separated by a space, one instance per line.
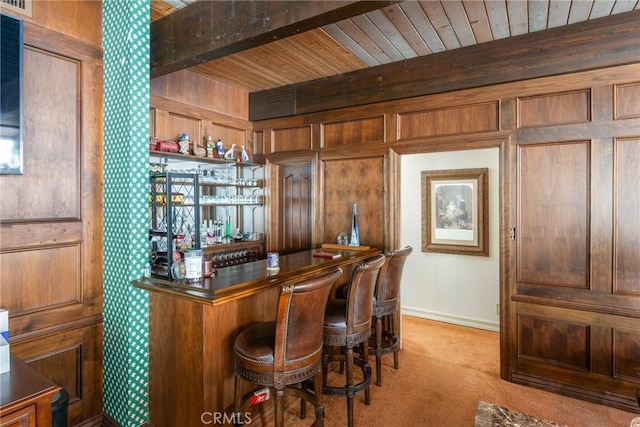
pixel 25 396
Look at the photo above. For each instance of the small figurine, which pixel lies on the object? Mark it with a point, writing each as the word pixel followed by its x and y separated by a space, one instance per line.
pixel 184 142
pixel 220 148
pixel 244 156
pixel 209 145
pixel 229 154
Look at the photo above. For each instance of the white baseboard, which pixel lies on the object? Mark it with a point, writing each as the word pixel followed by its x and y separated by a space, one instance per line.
pixel 448 318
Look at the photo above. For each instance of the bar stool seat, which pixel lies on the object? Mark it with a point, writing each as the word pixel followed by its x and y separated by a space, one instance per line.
pixel 347 324
pixel 281 354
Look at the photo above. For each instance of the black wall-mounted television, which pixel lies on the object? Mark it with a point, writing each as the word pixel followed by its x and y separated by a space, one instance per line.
pixel 11 95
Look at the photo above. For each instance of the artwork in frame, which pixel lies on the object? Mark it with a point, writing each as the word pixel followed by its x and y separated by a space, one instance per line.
pixel 455 211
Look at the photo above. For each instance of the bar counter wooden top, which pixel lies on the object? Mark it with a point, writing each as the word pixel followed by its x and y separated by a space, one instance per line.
pixel 192 328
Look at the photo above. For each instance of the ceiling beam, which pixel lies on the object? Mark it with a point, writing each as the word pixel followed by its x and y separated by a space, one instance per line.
pixel 598 43
pixel 208 30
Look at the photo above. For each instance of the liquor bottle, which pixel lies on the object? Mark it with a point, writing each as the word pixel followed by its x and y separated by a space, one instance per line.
pixel 355 231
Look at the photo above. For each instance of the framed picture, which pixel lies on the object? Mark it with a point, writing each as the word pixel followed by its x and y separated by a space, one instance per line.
pixel 455 211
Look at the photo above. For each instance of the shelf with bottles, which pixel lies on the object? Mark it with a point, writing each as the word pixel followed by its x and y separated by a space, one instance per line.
pixel 178 157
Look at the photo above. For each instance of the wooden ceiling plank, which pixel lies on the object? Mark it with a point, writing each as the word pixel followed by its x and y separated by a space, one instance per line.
pixel 479 20
pixel 440 21
pixel 419 19
pixel 344 39
pixel 601 8
pixel 558 13
pixel 459 22
pixel 377 37
pixel 353 30
pixel 538 13
pixel 391 33
pixel 207 30
pixel 580 10
pixel 498 18
pixel 518 17
pixel 622 6
pixel 396 15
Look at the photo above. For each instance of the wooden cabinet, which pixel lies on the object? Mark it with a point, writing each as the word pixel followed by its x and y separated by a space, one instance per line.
pixel 25 397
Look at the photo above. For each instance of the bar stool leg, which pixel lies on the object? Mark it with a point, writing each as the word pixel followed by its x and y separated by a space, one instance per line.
pixel 392 321
pixel 350 390
pixel 279 408
pixel 378 349
pixel 364 347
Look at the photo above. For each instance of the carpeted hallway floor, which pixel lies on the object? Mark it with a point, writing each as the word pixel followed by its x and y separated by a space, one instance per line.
pixel 445 370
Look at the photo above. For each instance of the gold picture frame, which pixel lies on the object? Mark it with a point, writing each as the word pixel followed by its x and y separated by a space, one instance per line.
pixel 455 211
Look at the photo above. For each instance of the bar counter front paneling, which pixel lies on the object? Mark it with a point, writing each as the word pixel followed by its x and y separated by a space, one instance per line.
pixel 192 328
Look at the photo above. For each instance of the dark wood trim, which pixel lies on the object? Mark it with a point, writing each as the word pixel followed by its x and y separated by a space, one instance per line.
pixel 594 44
pixel 208 30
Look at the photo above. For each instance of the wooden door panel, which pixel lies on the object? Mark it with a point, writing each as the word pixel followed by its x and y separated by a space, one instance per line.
pixel 627 217
pixel 553 204
pixel 296 207
pixel 553 341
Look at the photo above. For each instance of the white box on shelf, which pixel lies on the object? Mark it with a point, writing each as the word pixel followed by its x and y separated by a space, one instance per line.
pixel 5 363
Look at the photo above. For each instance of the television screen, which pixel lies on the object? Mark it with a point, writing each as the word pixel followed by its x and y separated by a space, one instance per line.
pixel 10 95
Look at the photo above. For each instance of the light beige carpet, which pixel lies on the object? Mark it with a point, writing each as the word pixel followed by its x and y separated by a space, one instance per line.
pixel 491 415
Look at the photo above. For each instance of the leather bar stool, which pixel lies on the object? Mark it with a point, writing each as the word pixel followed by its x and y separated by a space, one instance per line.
pixel 282 353
pixel 386 307
pixel 347 324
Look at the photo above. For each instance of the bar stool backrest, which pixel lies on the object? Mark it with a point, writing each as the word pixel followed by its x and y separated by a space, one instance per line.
pixel 300 319
pixel 360 293
pixel 388 287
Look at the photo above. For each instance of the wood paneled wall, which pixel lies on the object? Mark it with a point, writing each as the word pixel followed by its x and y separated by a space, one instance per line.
pixel 570 285
pixel 51 215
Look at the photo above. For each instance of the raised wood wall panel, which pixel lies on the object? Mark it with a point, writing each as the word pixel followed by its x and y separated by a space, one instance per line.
pixel 258 143
pixel 197 90
pixel 553 202
pixel 51 230
pixel 183 124
pixel 626 104
pixel 359 180
pixel 449 121
pixel 291 139
pixel 46 267
pixel 52 122
pixel 627 216
pixel 554 109
pixel 552 341
pixel 627 348
pixel 355 131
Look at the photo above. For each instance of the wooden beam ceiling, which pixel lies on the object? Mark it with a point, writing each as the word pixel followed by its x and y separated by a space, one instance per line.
pixel 206 30
pixel 598 43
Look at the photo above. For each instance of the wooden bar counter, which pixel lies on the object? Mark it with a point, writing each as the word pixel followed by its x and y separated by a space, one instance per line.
pixel 192 328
